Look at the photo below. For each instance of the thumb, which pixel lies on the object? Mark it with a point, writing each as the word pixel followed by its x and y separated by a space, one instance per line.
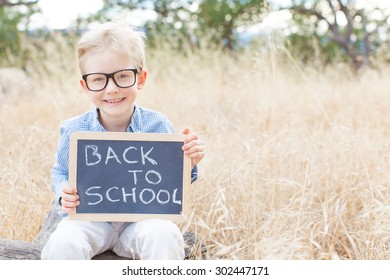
pixel 186 130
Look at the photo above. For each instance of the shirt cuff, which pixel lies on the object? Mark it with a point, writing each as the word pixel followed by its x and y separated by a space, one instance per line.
pixel 194 174
pixel 58 191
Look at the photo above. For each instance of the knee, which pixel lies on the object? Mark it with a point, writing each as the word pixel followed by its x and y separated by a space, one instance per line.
pixel 159 240
pixel 64 249
pixel 64 244
pixel 161 230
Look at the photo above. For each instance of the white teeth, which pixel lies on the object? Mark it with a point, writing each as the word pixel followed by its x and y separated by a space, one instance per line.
pixel 114 101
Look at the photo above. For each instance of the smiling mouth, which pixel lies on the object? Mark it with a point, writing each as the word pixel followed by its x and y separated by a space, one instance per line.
pixel 114 101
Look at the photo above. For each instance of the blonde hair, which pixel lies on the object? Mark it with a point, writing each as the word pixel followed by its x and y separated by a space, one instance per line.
pixel 115 36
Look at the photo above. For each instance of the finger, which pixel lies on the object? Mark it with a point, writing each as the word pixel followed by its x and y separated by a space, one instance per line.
pixel 70 204
pixel 69 207
pixel 69 190
pixel 196 158
pixel 195 153
pixel 69 210
pixel 193 147
pixel 192 143
pixel 192 138
pixel 186 130
pixel 70 197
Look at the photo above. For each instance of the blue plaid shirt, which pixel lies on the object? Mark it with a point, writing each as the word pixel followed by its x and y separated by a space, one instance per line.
pixel 143 120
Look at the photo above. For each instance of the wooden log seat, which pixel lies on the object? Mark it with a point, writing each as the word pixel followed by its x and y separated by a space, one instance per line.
pixel 22 250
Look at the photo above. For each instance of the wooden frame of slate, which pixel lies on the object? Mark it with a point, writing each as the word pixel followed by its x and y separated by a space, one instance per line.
pixel 128 177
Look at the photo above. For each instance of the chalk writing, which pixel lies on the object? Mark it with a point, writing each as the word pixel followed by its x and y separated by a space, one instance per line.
pixel 93 157
pixel 128 176
pixel 145 196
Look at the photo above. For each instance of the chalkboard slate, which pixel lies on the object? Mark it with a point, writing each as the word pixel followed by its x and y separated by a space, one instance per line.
pixel 129 176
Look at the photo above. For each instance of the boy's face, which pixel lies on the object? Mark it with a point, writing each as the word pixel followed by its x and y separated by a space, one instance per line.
pixel 114 102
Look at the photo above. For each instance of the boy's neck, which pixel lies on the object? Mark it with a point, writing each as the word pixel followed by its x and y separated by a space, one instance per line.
pixel 115 124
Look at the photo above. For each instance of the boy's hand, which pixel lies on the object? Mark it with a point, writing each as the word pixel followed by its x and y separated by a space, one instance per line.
pixel 69 200
pixel 193 147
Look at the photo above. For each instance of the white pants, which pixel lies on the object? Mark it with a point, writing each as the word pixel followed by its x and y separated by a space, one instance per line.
pixel 146 240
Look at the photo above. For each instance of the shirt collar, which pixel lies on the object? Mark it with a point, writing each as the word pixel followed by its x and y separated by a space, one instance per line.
pixel 133 127
pixel 96 123
pixel 135 120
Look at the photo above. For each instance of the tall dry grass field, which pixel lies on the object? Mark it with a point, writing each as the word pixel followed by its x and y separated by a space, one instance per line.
pixel 297 164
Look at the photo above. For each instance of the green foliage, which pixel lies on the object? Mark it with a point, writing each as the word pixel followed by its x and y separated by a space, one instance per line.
pixel 9 34
pixel 188 24
pixel 338 31
pixel 317 35
pixel 168 26
pixel 309 45
pixel 314 49
pixel 13 21
pixel 220 18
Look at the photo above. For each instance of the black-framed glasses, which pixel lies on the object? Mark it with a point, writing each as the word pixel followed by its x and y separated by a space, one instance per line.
pixel 98 81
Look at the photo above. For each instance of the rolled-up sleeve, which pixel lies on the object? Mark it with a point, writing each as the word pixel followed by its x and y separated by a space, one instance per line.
pixel 59 172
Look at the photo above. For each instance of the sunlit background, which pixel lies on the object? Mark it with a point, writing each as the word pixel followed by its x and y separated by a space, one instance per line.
pixel 290 97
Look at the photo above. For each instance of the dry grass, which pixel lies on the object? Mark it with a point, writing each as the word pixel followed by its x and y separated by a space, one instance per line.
pixel 297 163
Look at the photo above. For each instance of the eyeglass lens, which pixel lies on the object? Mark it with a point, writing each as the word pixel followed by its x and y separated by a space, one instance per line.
pixel 123 79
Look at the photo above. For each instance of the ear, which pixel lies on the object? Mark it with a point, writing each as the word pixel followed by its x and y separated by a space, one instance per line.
pixel 141 79
pixel 84 86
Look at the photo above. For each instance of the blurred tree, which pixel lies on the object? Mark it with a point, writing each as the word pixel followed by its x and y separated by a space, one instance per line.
pixel 339 28
pixel 10 3
pixel 220 18
pixel 187 22
pixel 169 25
pixel 13 15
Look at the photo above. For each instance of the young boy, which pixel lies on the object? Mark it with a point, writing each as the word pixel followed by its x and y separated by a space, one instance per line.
pixel 112 63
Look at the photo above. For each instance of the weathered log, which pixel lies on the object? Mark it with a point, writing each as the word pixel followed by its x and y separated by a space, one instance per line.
pixel 19 250
pixel 22 250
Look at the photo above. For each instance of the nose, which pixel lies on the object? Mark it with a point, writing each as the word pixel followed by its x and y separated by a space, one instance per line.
pixel 111 86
